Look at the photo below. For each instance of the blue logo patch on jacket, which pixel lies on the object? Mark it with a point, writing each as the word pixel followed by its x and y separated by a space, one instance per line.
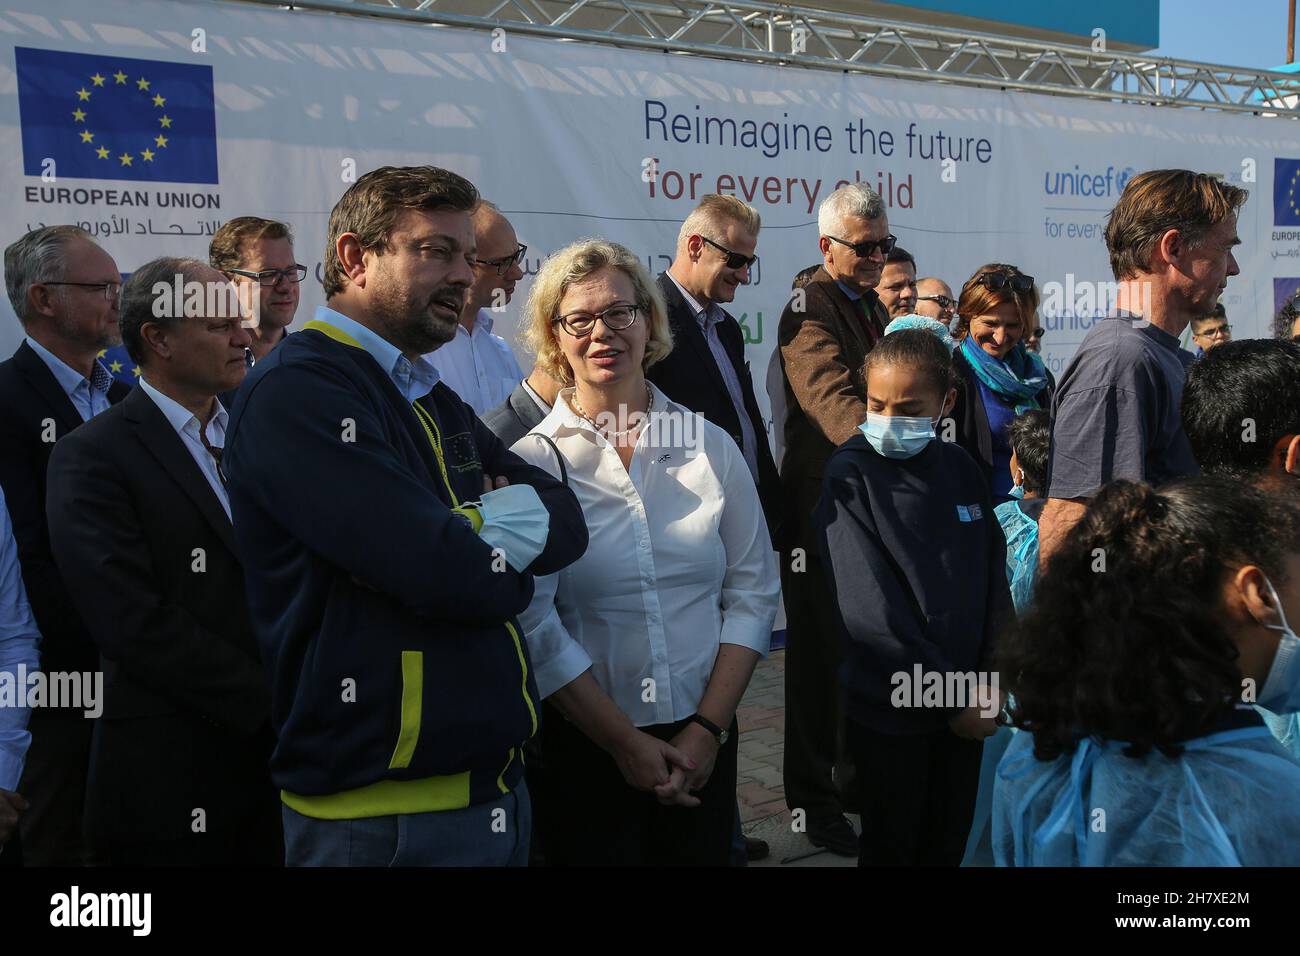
pixel 969 512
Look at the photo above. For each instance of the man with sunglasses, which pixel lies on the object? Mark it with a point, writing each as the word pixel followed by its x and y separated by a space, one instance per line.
pixel 257 255
pixel 934 299
pixel 825 333
pixel 64 289
pixel 480 367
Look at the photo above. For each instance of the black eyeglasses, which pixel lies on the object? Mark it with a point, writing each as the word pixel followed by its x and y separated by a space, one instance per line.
pixel 270 277
pixel 1000 280
pixel 616 318
pixel 1037 334
pixel 944 302
pixel 503 264
pixel 111 289
pixel 863 250
pixel 735 260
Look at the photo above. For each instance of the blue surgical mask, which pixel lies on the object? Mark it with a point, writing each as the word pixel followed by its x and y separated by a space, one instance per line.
pixel 898 436
pixel 1018 489
pixel 1281 693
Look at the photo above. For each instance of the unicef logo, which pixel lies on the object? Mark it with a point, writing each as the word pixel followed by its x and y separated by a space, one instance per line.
pixel 1125 175
pixel 1097 183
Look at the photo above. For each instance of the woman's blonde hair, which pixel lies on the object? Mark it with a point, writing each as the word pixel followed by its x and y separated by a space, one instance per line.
pixel 574 264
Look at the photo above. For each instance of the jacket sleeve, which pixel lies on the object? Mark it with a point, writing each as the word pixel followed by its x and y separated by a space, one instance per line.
pixel 96 537
pixel 20 477
pixel 818 372
pixel 566 541
pixel 309 448
pixel 999 609
pixel 879 617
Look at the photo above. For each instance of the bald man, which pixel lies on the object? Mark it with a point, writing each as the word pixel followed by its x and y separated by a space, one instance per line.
pixel 934 299
pixel 478 366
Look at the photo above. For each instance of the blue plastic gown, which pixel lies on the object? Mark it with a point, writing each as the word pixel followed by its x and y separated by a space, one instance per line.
pixel 1230 799
pixel 1021 532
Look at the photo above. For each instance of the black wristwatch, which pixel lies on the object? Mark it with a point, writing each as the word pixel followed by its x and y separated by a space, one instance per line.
pixel 721 735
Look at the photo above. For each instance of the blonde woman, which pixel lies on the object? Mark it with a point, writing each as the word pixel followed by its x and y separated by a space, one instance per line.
pixel 644 648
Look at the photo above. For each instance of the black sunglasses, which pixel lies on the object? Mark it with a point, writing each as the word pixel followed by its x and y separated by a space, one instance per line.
pixel 503 264
pixel 1037 334
pixel 999 280
pixel 945 303
pixel 863 250
pixel 735 260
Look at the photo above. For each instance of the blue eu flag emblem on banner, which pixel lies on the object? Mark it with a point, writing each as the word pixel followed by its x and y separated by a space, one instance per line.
pixel 113 117
pixel 1286 192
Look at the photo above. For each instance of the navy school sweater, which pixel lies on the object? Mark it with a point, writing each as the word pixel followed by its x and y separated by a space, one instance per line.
pixel 916 561
pixel 399 678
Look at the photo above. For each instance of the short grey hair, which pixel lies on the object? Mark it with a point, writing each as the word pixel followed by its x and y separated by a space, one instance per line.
pixel 36 258
pixel 712 214
pixel 854 200
pixel 136 306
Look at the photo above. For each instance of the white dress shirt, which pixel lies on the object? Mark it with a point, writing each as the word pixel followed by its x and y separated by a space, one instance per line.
pixel 679 563
pixel 186 424
pixel 479 366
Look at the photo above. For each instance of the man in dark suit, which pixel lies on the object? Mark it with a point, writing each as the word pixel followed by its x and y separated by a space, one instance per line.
pixel 825 333
pixel 706 370
pixel 524 408
pixel 140 525
pixel 63 288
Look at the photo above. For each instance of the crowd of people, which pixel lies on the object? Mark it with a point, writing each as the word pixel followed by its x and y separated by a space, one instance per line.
pixel 368 594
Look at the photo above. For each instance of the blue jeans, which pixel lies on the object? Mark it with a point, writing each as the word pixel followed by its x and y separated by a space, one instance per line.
pixel 487 834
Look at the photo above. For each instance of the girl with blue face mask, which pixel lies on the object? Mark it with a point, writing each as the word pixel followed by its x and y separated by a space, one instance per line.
pixel 1137 681
pixel 915 559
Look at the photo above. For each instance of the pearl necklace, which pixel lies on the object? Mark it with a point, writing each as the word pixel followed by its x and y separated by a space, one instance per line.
pixel 650 404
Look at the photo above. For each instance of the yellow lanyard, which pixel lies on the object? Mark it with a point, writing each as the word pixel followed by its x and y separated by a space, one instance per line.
pixel 430 424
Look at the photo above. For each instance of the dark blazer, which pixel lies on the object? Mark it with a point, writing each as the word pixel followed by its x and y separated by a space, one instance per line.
pixel 514 418
pixel 150 556
pixel 824 347
pixel 30 396
pixel 690 375
pixel 972 421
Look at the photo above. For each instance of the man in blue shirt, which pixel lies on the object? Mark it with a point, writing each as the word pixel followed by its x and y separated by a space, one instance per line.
pixel 63 288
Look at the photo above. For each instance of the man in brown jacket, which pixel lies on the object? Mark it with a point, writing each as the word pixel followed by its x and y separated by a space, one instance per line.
pixel 824 337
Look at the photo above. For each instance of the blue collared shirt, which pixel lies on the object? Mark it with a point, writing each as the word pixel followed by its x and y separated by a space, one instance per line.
pixel 18 642
pixel 853 294
pixel 413 379
pixel 89 396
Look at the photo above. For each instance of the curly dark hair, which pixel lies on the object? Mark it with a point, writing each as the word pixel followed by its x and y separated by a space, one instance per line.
pixel 1140 652
pixel 1030 435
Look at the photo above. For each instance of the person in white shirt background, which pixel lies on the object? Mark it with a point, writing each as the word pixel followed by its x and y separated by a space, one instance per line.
pixel 645 645
pixel 477 365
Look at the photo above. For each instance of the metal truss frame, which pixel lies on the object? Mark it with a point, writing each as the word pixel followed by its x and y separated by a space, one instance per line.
pixel 797 36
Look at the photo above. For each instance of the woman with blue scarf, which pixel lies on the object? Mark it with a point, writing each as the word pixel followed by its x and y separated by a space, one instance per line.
pixel 1001 377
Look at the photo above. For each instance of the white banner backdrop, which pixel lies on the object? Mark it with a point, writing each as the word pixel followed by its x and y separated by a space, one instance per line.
pixel 573 139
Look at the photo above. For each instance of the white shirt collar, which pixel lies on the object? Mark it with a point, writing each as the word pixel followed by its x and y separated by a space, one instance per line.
pixel 180 417
pixel 537 399
pixel 690 299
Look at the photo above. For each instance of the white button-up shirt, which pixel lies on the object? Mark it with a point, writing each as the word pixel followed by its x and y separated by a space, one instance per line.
pixel 679 563
pixel 479 366
pixel 186 424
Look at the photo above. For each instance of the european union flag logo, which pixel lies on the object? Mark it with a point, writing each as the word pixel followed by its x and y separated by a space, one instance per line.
pixel 112 117
pixel 120 364
pixel 1286 192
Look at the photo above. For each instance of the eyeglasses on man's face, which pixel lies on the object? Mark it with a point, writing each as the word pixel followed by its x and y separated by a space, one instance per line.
pixel 864 250
pixel 616 318
pixel 503 264
pixel 944 303
pixel 735 260
pixel 109 289
pixel 269 277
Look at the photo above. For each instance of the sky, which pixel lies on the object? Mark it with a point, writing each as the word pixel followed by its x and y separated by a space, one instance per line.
pixel 1242 33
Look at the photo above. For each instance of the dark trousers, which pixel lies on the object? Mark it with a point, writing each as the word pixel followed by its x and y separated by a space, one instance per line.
pixel 54 784
pixel 589 816
pixel 258 842
pixel 11 854
pixel 814 737
pixel 918 796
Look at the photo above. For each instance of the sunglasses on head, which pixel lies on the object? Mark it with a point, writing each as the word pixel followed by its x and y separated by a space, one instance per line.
pixel 863 250
pixel 995 281
pixel 735 260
